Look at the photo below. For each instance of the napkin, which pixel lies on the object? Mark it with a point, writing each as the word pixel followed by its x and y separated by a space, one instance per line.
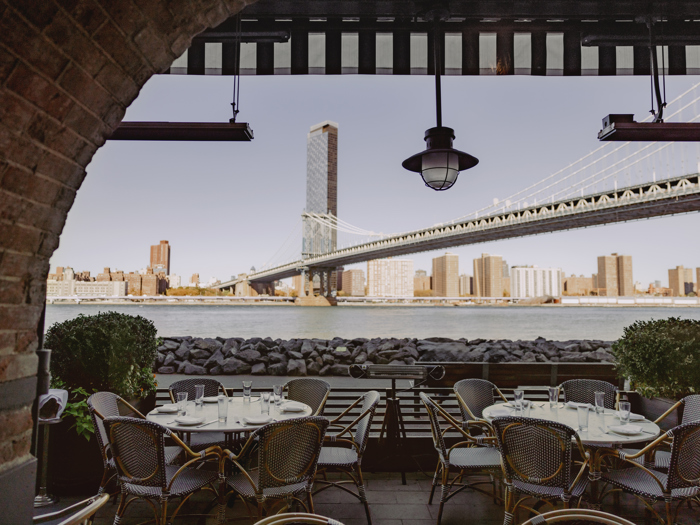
pixel 210 399
pixel 293 406
pixel 189 420
pixel 166 409
pixel 498 412
pixel 571 404
pixel 51 405
pixel 633 417
pixel 256 420
pixel 628 430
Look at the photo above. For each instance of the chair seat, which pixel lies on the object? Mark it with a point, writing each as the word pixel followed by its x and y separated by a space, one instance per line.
pixel 662 459
pixel 637 481
pixel 202 440
pixel 475 458
pixel 545 492
pixel 172 454
pixel 242 486
pixel 337 457
pixel 187 482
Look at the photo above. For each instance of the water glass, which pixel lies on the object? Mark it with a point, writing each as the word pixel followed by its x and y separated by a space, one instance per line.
pixel 247 386
pixel 277 389
pixel 265 403
pixel 582 418
pixel 553 397
pixel 199 394
pixel 599 402
pixel 527 405
pixel 223 408
pixel 518 398
pixel 625 408
pixel 182 403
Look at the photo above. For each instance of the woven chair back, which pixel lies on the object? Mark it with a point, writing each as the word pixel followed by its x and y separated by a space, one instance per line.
pixel 684 471
pixel 435 430
pixel 309 390
pixel 583 391
pixel 212 387
pixel 577 517
pixel 474 395
pixel 369 404
pixel 297 519
pixel 138 448
pixel 107 404
pixel 288 451
pixel 691 408
pixel 535 450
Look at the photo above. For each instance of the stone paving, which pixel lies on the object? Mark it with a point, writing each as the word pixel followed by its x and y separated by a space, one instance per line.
pixel 391 503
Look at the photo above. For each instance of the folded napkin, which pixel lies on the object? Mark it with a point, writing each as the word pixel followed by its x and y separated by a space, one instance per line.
pixel 571 404
pixel 189 420
pixel 256 420
pixel 293 406
pixel 166 409
pixel 498 412
pixel 52 405
pixel 628 430
pixel 633 417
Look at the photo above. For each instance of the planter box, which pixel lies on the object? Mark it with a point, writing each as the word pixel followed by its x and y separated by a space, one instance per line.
pixel 655 407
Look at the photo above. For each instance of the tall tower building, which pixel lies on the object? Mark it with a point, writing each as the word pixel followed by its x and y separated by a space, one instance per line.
pixel 446 275
pixel 321 188
pixel 390 278
pixel 488 276
pixel 160 256
pixel 625 282
pixel 615 275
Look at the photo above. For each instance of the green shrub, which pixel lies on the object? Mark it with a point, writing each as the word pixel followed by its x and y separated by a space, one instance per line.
pixel 105 352
pixel 661 358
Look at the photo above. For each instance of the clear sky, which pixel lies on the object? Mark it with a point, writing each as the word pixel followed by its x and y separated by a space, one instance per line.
pixel 225 207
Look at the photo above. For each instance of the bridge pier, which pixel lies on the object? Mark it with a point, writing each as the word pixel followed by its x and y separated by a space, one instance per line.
pixel 326 295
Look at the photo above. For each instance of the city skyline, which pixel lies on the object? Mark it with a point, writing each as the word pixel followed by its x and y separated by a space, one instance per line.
pixel 225 204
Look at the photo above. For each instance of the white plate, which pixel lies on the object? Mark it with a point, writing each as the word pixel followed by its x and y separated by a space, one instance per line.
pixel 626 430
pixel 571 404
pixel 167 409
pixel 498 412
pixel 257 421
pixel 210 399
pixel 293 406
pixel 633 417
pixel 188 420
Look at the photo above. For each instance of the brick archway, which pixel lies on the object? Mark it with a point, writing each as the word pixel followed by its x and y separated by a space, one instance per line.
pixel 68 71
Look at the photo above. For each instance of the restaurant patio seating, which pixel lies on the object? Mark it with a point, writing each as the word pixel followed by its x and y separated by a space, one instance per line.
pixel 106 404
pixel 287 456
pixel 577 517
pixel 212 387
pixel 297 518
pixel 537 459
pixel 347 459
pixel 681 483
pixel 80 513
pixel 138 447
pixel 474 395
pixel 310 391
pixel 466 457
pixel 583 391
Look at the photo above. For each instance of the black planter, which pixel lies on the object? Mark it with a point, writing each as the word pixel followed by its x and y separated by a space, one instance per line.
pixel 75 464
pixel 652 408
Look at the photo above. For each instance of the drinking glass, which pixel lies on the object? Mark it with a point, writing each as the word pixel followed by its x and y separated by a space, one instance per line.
pixel 182 403
pixel 199 394
pixel 553 396
pixel 247 386
pixel 518 398
pixel 278 393
pixel 527 405
pixel 624 412
pixel 582 418
pixel 599 402
pixel 223 408
pixel 265 403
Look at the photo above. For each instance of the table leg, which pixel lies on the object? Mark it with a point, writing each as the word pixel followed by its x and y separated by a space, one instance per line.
pixel 594 478
pixel 43 499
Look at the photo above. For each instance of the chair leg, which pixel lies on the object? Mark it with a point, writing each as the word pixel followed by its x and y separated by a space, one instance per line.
pixel 508 518
pixel 363 495
pixel 435 478
pixel 164 512
pixel 120 510
pixel 444 492
pixel 310 501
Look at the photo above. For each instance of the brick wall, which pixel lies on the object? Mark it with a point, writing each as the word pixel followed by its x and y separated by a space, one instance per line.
pixel 68 71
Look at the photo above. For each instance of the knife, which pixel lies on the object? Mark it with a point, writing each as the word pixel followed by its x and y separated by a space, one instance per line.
pixel 207 423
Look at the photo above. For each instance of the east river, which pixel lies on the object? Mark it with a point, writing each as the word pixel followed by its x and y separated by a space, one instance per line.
pixel 287 322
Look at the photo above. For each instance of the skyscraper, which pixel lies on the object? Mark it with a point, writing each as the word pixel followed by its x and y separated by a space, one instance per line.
pixel 390 278
pixel 680 280
pixel 160 256
pixel 446 275
pixel 421 281
pixel 321 188
pixel 535 282
pixel 354 282
pixel 488 276
pixel 615 275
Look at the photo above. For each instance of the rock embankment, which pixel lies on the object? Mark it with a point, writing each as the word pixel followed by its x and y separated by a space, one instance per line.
pixel 302 357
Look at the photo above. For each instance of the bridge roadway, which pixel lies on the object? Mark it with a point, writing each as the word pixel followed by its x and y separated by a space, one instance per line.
pixel 643 201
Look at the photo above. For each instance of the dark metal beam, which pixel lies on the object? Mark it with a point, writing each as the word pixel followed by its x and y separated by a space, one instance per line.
pixel 184 131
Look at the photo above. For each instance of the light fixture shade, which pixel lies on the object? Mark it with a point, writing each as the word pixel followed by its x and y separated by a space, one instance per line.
pixel 440 163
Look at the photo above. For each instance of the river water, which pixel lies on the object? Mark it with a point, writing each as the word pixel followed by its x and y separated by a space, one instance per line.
pixel 287 322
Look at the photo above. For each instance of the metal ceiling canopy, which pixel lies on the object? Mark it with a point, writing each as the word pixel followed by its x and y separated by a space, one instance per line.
pixel 184 131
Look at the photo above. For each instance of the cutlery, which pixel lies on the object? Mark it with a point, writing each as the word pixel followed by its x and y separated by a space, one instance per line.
pixel 604 431
pixel 207 423
pixel 649 432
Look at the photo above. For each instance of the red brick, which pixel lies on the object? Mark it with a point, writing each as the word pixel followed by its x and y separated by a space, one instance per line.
pixel 154 48
pixel 159 15
pixel 15 422
pixel 19 149
pixel 125 14
pixel 83 87
pixel 7 64
pixel 49 243
pixel 11 292
pixel 17 264
pixel 40 14
pixel 15 112
pixel 30 186
pixel 26 342
pixel 16 237
pixel 22 317
pixel 66 198
pixel 121 86
pixel 39 91
pixel 60 169
pixel 111 40
pixel 65 33
pixel 86 13
pixel 86 125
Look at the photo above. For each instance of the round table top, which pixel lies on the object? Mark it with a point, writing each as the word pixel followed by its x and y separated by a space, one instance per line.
pixel 237 410
pixel 597 423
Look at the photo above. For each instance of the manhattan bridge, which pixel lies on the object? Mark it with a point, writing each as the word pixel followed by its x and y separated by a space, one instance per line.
pixel 617 182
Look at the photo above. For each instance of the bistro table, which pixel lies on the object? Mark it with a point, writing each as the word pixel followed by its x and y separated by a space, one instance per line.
pixel 595 435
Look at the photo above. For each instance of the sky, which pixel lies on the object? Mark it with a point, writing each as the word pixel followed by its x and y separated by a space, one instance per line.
pixel 225 207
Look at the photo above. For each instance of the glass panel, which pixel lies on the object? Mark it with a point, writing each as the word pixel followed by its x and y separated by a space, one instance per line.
pixel 440 169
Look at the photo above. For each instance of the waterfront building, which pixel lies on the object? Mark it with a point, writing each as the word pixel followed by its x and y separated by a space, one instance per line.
pixel 488 276
pixel 174 281
pixel 160 256
pixel 446 275
pixel 153 283
pixel 422 282
pixel 134 283
pixel 321 188
pixel 615 275
pixel 466 285
pixel 531 281
pixel 580 285
pixel 354 282
pixel 680 280
pixel 194 280
pixel 390 278
pixel 69 286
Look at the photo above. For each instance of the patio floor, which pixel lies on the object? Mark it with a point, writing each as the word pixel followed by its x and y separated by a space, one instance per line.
pixel 391 503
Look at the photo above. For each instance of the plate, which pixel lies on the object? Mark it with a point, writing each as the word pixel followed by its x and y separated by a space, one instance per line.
pixel 166 409
pixel 571 404
pixel 211 399
pixel 188 420
pixel 633 417
pixel 498 412
pixel 626 430
pixel 257 421
pixel 293 406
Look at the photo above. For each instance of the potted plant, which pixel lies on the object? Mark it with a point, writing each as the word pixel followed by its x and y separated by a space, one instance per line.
pixel 661 358
pixel 105 352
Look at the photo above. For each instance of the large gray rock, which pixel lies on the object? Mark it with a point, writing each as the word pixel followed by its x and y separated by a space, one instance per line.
pixel 235 366
pixel 183 352
pixel 296 367
pixel 230 347
pixel 249 356
pixel 194 370
pixel 277 369
pixel 340 370
pixel 170 345
pixel 169 359
pixel 361 358
pixel 166 370
pixel 259 370
pixel 328 359
pixel 207 344
pixel 295 355
pixel 276 357
pixel 457 352
pixel 306 348
pixel 217 358
pixel 571 357
pixel 181 367
pixel 312 368
pixel 200 353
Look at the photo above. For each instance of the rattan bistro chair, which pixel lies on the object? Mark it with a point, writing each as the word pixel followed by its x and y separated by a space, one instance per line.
pixel 297 518
pixel 81 513
pixel 537 457
pixel 107 404
pixel 138 447
pixel 287 455
pixel 577 517
pixel 309 390
pixel 583 391
pixel 682 483
pixel 466 457
pixel 345 450
pixel 212 387
pixel 475 395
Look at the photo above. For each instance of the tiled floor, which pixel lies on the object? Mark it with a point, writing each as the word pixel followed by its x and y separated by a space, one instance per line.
pixel 391 503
